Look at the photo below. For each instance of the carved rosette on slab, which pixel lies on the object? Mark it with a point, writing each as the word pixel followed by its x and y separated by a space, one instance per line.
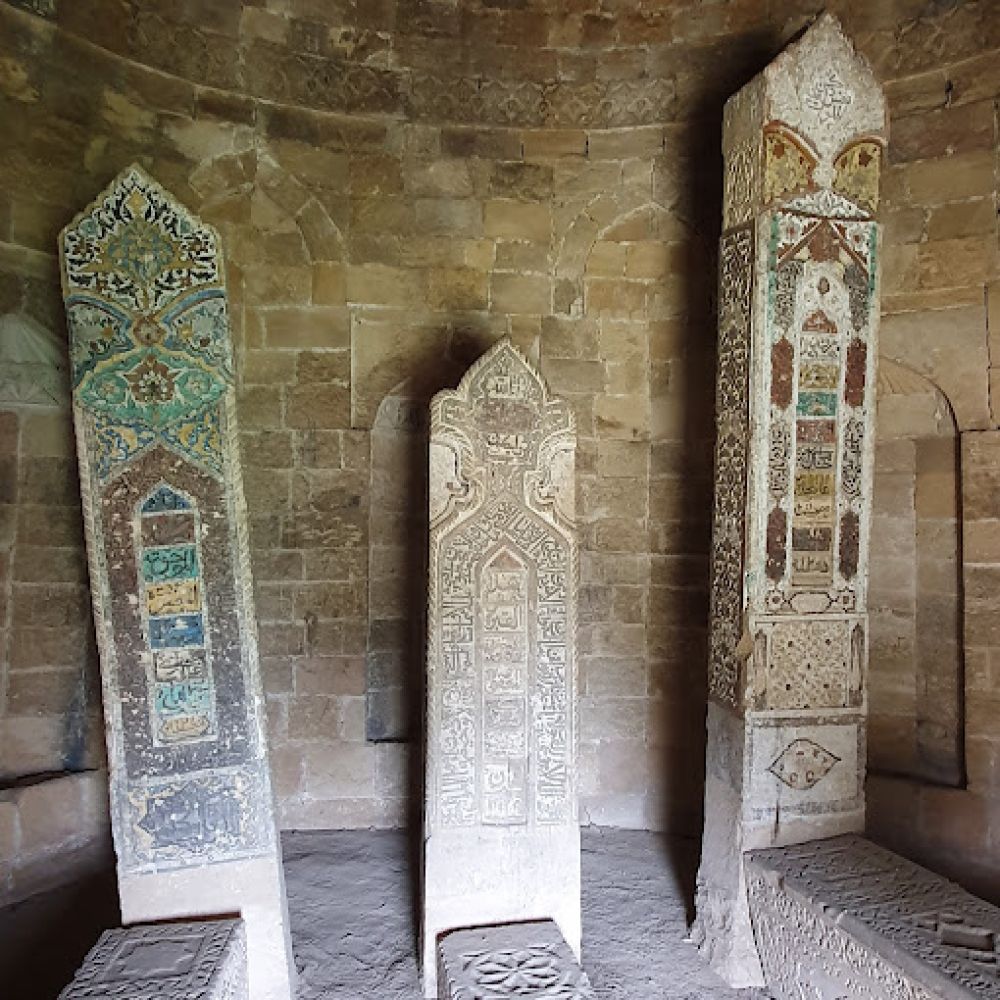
pixel 502 841
pixel 529 960
pixel 166 526
pixel 798 317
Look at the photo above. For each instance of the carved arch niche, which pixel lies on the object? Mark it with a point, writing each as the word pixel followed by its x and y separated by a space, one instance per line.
pixel 916 680
pixel 397 556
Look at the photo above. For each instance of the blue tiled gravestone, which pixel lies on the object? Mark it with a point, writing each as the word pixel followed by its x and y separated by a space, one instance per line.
pixel 154 406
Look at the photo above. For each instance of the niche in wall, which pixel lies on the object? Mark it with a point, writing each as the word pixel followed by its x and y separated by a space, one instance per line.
pixel 396 567
pixel 916 686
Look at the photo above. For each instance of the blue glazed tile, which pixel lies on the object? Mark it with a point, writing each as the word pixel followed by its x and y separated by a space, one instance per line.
pixel 170 562
pixel 165 500
pixel 817 404
pixel 183 697
pixel 176 630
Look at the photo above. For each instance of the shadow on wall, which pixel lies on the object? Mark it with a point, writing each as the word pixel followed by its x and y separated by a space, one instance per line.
pixel 927 797
pixel 397 566
pixel 44 939
pixel 682 463
pixel 50 719
pixel 916 673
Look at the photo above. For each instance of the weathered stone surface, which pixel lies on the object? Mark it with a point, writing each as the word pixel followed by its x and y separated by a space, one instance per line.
pixel 798 318
pixel 846 918
pixel 79 109
pixel 916 689
pixel 51 830
pixel 32 364
pixel 181 961
pixel 501 840
pixel 512 960
pixel 154 404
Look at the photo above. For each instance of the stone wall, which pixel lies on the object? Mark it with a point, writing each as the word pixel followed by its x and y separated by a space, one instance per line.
pixel 917 719
pixel 49 699
pixel 934 793
pixel 52 830
pixel 398 183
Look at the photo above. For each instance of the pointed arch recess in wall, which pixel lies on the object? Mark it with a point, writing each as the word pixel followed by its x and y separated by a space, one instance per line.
pixel 917 671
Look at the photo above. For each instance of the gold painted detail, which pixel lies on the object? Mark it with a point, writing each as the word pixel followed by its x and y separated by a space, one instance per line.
pixel 788 164
pixel 181 597
pixel 856 173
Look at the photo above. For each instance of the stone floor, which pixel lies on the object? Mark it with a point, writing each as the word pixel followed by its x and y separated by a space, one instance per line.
pixel 352 911
pixel 353 921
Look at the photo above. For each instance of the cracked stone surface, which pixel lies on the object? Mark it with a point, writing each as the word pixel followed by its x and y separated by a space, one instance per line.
pixel 352 904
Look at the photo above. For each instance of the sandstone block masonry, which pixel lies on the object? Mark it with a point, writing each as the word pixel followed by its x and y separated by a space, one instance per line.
pixel 501 834
pixel 52 830
pixel 154 405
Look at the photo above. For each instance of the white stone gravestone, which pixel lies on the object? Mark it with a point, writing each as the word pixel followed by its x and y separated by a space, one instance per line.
pixel 501 835
pixel 845 919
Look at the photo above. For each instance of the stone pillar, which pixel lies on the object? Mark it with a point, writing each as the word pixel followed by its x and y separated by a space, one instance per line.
pixel 798 316
pixel 155 411
pixel 501 835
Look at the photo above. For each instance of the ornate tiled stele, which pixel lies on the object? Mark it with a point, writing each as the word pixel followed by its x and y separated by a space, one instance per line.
pixel 204 960
pixel 154 405
pixel 843 919
pixel 502 842
pixel 798 317
pixel 529 960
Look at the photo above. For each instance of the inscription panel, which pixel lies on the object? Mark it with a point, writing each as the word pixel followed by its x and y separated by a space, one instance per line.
pixel 819 320
pixel 731 464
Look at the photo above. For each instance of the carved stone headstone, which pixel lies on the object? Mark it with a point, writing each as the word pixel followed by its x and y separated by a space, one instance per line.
pixel 844 919
pixel 204 960
pixel 32 364
pixel 154 405
pixel 502 841
pixel 529 960
pixel 798 315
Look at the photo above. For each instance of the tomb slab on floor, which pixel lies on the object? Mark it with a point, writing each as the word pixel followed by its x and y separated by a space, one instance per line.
pixel 529 960
pixel 196 960
pixel 845 918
